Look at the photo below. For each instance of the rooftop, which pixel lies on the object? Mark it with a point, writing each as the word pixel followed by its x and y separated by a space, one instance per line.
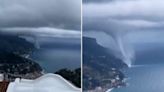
pixel 46 83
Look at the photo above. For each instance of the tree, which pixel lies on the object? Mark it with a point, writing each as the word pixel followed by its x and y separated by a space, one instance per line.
pixel 73 76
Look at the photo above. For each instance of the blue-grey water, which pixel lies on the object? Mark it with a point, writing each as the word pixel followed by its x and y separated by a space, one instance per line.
pixel 144 78
pixel 52 59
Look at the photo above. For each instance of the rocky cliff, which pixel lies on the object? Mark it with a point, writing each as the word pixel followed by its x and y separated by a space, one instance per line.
pixel 101 69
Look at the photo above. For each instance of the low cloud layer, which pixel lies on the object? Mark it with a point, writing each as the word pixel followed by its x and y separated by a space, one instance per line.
pixel 42 32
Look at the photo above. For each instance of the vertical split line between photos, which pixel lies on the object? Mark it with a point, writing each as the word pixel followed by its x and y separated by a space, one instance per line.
pixel 81 46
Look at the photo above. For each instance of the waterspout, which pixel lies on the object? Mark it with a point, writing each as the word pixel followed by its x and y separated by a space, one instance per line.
pixel 126 52
pixel 36 43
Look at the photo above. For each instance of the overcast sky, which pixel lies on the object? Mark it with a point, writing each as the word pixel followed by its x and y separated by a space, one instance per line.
pixel 58 17
pixel 134 17
pixel 136 22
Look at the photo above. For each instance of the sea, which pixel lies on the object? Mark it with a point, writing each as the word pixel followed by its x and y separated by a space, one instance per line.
pixel 144 78
pixel 52 60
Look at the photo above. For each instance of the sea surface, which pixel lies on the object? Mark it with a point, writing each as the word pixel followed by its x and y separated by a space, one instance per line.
pixel 52 60
pixel 144 78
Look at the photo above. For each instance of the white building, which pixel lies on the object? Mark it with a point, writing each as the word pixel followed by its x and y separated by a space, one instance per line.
pixel 46 83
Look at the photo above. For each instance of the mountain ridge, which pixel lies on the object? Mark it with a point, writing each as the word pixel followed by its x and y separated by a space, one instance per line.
pixel 14 59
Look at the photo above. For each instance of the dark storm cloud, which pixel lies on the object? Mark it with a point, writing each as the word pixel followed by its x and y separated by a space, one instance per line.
pixel 114 27
pixel 124 16
pixel 64 14
pixel 41 18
